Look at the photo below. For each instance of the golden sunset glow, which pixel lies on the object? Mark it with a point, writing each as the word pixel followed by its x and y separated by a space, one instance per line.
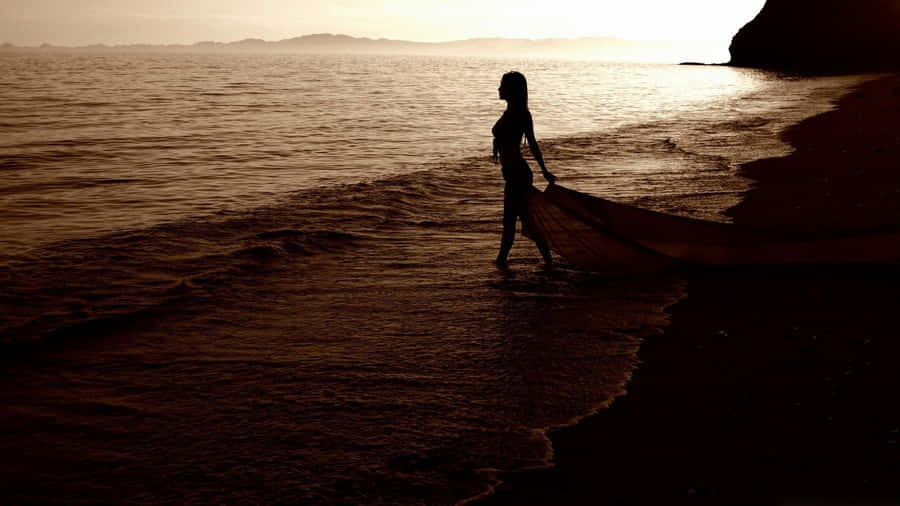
pixel 30 22
pixel 481 252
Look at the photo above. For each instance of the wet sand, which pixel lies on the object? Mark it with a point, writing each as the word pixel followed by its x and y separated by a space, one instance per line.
pixel 770 386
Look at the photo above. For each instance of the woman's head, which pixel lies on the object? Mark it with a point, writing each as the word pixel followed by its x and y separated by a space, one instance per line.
pixel 514 89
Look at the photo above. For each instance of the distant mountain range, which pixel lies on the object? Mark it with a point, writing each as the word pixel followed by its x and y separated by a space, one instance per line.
pixel 588 47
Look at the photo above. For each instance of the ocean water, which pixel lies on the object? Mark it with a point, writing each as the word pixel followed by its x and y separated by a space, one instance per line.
pixel 264 278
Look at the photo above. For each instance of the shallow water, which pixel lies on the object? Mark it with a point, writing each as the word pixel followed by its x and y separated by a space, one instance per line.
pixel 94 144
pixel 267 278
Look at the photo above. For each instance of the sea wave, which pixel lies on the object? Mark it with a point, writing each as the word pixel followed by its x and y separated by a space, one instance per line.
pixel 66 285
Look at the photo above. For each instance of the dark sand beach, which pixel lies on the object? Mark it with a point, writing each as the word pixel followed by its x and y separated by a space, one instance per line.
pixel 770 386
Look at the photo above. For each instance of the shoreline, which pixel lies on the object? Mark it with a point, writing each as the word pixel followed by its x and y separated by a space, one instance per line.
pixel 769 386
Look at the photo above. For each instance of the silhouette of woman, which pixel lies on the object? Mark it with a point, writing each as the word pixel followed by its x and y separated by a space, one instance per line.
pixel 508 131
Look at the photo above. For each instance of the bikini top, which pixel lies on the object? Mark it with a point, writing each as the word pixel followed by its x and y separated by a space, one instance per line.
pixel 507 130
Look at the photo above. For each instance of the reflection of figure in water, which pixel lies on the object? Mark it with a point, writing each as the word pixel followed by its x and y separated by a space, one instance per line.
pixel 508 131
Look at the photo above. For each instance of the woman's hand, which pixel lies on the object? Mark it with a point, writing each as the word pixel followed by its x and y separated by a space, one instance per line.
pixel 548 176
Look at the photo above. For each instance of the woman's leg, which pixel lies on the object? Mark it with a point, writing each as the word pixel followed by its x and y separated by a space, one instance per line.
pixel 536 236
pixel 545 252
pixel 528 229
pixel 510 213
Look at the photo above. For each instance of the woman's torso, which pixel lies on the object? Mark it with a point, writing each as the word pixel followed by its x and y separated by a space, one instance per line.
pixel 508 131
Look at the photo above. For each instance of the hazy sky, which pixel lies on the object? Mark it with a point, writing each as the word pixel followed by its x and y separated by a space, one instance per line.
pixel 79 22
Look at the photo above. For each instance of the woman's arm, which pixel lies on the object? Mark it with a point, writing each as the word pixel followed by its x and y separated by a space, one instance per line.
pixel 536 150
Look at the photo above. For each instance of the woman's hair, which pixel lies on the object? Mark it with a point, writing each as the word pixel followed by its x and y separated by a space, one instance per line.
pixel 516 88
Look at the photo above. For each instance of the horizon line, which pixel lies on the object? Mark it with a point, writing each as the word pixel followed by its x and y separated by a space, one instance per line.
pixel 354 37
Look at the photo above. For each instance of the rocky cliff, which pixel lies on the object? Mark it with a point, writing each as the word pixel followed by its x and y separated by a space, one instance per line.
pixel 821 36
